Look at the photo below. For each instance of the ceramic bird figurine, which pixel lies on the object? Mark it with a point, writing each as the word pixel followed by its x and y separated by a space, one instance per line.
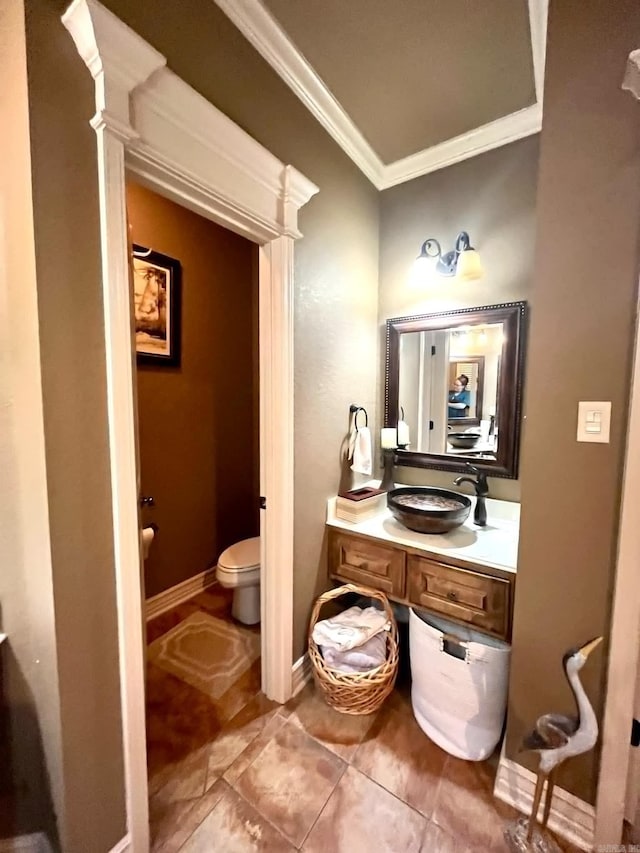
pixel 557 737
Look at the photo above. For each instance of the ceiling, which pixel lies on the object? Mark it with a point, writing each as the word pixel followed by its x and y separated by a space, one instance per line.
pixel 407 87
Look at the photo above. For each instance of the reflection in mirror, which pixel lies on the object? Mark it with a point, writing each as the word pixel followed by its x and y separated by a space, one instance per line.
pixel 457 377
pixel 448 389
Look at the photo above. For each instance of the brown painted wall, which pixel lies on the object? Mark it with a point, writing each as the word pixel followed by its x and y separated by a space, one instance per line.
pixel 585 289
pixel 493 197
pixel 196 422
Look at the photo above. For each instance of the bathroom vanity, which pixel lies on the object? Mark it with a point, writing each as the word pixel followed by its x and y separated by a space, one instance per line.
pixel 467 575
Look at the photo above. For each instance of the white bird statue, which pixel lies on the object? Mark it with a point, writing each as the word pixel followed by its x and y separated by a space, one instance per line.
pixel 557 737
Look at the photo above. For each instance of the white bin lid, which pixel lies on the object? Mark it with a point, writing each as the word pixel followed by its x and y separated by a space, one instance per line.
pixel 243 555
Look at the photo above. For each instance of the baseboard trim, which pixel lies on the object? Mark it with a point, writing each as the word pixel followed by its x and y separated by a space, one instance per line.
pixel 36 842
pixel 301 674
pixel 570 816
pixel 158 604
pixel 123 846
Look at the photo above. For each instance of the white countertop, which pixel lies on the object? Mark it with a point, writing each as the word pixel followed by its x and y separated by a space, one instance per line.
pixel 495 545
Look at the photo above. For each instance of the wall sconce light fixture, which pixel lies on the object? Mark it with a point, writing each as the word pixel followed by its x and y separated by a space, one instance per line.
pixel 463 262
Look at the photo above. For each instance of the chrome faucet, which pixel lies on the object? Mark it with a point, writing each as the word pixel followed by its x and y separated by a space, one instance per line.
pixel 482 490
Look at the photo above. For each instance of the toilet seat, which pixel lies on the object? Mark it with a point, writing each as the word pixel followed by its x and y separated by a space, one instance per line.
pixel 239 569
pixel 243 556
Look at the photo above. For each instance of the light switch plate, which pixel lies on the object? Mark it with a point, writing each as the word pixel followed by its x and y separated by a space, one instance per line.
pixel 594 420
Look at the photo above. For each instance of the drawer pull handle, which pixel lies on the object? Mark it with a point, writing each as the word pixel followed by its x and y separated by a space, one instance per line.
pixel 362 564
pixel 452 596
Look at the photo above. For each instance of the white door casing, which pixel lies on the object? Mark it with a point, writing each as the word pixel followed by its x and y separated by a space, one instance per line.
pixel 152 123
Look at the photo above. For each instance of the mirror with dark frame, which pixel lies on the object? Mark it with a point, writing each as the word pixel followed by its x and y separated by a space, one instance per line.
pixel 455 380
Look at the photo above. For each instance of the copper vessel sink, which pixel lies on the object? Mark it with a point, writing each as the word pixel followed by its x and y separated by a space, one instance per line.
pixel 428 510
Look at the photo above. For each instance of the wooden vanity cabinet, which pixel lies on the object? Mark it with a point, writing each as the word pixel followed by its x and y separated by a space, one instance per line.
pixel 466 595
pixel 475 596
pixel 370 563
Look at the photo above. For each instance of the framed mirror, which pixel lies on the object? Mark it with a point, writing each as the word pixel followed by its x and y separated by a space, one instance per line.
pixel 455 381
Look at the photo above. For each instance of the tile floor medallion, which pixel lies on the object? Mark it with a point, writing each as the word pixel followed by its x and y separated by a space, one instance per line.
pixel 206 652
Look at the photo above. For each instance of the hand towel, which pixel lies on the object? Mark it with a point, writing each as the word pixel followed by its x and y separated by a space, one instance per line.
pixel 362 452
pixel 363 658
pixel 351 628
pixel 353 435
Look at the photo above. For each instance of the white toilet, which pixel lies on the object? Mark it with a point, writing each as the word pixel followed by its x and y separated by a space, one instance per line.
pixel 239 569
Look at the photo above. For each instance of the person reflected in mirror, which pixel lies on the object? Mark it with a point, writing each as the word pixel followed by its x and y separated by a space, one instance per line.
pixel 459 398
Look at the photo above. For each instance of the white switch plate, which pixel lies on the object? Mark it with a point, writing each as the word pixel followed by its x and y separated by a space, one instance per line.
pixel 594 420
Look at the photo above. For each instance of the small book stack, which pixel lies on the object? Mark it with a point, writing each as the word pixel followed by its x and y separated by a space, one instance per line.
pixel 359 504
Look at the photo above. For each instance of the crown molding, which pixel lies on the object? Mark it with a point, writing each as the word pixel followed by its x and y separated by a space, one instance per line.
pixel 538 15
pixel 502 131
pixel 262 30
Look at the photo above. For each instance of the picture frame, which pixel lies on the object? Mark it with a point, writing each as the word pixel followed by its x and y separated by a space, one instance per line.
pixel 157 281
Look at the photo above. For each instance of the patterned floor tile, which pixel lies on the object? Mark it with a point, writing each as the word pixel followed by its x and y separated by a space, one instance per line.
pixel 341 733
pixel 181 819
pixel 290 781
pixel 465 806
pixel 400 757
pixel 233 826
pixel 360 815
pixel 436 840
pixel 238 734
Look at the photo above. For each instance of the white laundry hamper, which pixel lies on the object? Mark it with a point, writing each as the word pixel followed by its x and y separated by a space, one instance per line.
pixel 459 685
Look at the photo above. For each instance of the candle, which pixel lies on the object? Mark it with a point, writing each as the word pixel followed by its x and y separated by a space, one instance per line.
pixel 388 438
pixel 403 433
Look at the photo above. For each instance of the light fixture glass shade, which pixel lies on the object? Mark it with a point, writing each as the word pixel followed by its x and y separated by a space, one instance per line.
pixel 423 270
pixel 469 266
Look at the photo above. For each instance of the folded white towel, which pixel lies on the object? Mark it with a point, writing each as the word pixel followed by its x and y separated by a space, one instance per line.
pixel 362 455
pixel 351 628
pixel 363 658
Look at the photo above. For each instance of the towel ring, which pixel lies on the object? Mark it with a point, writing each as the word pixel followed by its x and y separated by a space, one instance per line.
pixel 355 410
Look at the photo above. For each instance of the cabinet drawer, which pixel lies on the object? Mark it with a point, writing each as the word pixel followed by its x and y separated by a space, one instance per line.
pixel 480 600
pixel 367 563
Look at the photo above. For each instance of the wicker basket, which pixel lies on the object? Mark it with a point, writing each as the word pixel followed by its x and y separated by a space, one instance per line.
pixel 361 692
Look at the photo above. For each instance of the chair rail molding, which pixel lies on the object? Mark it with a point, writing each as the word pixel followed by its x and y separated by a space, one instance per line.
pixel 151 123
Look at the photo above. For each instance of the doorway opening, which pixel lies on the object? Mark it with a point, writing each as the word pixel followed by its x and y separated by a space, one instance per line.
pixel 176 142
pixel 196 316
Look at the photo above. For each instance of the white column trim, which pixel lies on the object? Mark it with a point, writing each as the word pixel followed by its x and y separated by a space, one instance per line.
pixel 182 146
pixel 119 60
pixel 276 438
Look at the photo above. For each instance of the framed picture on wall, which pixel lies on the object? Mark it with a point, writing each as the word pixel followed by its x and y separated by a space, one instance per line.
pixel 156 299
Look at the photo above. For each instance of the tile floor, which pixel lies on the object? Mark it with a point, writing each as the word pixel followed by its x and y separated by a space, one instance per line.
pixel 243 774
